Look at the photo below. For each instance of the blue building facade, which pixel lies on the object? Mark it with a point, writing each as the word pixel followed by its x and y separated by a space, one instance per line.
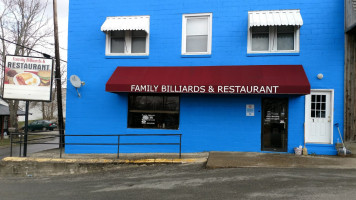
pixel 107 35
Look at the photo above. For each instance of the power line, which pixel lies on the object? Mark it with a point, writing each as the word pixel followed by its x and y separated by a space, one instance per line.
pixel 44 54
pixel 64 49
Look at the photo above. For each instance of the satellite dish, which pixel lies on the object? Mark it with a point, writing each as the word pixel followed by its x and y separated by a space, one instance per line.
pixel 75 81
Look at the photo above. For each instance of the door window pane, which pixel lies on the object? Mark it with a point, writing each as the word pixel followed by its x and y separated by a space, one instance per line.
pixel 318 106
pixel 312 113
pixel 318 98
pixel 322 114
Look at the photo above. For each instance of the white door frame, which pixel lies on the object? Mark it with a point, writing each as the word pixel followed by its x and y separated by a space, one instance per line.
pixel 331 111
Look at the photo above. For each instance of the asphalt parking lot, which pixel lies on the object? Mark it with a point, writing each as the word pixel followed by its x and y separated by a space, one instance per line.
pixel 186 181
pixel 5 150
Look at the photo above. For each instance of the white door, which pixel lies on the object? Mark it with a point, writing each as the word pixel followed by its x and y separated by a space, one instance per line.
pixel 319 116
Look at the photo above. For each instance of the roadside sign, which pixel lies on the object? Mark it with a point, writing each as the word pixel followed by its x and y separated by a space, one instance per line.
pixel 27 78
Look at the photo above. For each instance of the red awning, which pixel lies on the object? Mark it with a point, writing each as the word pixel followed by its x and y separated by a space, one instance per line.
pixel 253 79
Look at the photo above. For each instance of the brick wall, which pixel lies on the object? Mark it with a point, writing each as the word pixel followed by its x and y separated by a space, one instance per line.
pixel 321 51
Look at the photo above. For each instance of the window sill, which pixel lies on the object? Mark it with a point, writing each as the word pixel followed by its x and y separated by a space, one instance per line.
pixel 272 54
pixel 127 57
pixel 196 56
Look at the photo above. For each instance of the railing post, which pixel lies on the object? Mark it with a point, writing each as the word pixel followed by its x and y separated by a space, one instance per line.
pixel 118 146
pixel 60 147
pixel 10 144
pixel 180 146
pixel 20 144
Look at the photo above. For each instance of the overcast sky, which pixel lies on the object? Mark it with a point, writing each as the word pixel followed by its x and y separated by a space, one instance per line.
pixel 62 14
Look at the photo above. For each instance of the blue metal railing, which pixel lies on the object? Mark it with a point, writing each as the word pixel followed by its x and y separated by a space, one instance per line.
pixel 118 143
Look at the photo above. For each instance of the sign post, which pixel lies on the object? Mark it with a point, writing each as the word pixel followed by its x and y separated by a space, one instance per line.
pixel 26 130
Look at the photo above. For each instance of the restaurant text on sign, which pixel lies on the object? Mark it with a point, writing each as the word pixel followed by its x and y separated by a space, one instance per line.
pixel 27 63
pixel 233 89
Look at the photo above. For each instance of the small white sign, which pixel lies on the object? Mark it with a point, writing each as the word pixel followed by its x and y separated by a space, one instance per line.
pixel 250 110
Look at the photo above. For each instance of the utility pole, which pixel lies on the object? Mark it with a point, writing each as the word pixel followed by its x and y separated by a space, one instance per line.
pixel 58 77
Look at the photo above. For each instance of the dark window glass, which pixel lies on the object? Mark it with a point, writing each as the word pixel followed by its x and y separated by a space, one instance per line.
pixel 138 42
pixel 318 106
pixel 260 38
pixel 322 114
pixel 312 113
pixel 285 37
pixel 317 114
pixel 117 42
pixel 153 111
pixel 318 98
pixel 323 106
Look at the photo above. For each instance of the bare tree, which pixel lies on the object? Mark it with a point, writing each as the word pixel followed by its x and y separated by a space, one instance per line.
pixel 49 109
pixel 23 22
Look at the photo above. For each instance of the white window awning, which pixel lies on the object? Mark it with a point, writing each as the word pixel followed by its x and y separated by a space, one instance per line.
pixel 275 18
pixel 126 23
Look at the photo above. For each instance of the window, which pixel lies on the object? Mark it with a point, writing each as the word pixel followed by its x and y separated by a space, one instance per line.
pixel 196 34
pixel 318 106
pixel 274 31
pixel 127 35
pixel 127 43
pixel 269 39
pixel 153 111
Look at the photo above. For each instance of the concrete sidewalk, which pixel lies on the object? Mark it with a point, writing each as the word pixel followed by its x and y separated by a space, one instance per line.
pixel 271 160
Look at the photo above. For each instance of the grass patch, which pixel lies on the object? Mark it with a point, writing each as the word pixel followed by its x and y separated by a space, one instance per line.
pixel 4 142
pixel 22 123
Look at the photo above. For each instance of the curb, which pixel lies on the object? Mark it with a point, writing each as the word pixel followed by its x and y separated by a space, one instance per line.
pixel 104 161
pixel 30 166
